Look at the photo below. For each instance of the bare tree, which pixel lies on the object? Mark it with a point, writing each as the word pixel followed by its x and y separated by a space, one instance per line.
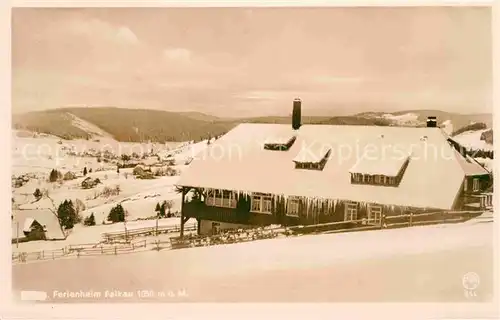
pixel 54 211
pixel 168 206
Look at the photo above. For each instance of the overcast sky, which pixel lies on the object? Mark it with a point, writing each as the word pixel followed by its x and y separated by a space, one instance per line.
pixel 245 62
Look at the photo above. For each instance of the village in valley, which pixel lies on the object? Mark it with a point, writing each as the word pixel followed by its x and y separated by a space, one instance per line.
pixel 315 204
pixel 157 197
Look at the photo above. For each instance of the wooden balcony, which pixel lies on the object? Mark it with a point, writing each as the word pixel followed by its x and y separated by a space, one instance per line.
pixel 200 210
pixel 481 201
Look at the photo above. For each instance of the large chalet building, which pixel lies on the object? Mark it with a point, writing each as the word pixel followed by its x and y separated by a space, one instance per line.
pixel 262 174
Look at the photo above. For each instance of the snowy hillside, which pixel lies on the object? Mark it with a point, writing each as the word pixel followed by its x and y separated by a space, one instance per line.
pixel 91 129
pixel 408 119
pixel 34 156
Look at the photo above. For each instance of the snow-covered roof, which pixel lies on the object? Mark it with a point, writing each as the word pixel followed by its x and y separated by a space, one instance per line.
pixel 23 219
pixel 314 153
pixel 387 164
pixel 432 179
pixel 470 166
pixel 27 224
pixel 279 139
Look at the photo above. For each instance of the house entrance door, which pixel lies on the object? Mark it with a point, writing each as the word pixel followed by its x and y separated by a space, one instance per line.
pixel 215 227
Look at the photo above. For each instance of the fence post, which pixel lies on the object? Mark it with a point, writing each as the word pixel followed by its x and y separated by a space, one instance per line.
pixel 115 249
pixel 157 245
pixel 133 247
pixel 411 219
pixel 102 249
pixel 53 255
pixel 78 253
pixel 382 222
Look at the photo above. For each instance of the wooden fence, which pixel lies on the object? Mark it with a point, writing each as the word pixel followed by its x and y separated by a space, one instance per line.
pixel 39 255
pixel 111 237
pixel 78 250
pixel 120 246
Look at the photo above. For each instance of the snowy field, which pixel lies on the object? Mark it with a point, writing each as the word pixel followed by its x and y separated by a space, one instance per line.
pixel 37 156
pixel 420 264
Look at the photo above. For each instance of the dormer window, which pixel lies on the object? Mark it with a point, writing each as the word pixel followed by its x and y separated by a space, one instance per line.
pixel 312 159
pixel 382 172
pixel 282 143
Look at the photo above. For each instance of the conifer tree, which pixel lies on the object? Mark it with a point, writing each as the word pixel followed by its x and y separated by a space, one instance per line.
pixel 117 214
pixel 37 194
pixel 90 220
pixel 53 175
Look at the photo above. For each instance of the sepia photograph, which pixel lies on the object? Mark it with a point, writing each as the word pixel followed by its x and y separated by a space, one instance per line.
pixel 252 155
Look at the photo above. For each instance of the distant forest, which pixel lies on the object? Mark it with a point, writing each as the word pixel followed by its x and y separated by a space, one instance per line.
pixel 137 125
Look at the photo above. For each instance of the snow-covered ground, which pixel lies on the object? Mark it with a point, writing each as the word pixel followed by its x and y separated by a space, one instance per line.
pixel 92 235
pixel 38 155
pixel 412 264
pixel 472 140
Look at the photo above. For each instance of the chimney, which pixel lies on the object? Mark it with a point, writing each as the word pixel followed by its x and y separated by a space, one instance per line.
pixel 431 122
pixel 296 117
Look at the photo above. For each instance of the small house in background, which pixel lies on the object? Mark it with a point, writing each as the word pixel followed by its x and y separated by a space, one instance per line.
pixel 89 183
pixel 263 174
pixel 36 224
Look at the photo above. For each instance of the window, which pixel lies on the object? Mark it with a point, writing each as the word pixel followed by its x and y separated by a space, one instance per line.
pixel 279 143
pixel 221 198
pixel 475 185
pixel 261 203
pixel 380 180
pixel 312 159
pixel 351 211
pixel 374 214
pixel 292 208
pixel 210 197
pixel 228 198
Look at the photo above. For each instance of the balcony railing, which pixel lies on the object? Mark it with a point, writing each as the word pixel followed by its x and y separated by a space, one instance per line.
pixel 202 211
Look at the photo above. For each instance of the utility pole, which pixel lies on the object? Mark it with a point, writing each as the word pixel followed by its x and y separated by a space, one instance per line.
pixel 125 226
pixel 157 217
pixel 17 234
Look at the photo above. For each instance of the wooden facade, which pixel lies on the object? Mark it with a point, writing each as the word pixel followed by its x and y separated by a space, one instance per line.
pixel 306 212
pixel 229 207
pixel 474 194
